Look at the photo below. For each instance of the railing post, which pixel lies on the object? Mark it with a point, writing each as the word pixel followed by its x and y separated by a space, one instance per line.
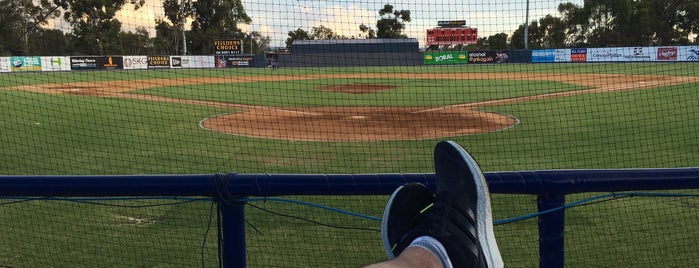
pixel 232 234
pixel 551 231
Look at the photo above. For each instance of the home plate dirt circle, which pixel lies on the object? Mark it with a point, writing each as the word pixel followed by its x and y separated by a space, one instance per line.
pixel 358 123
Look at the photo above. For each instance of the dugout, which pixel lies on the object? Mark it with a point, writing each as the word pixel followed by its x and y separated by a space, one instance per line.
pixel 353 52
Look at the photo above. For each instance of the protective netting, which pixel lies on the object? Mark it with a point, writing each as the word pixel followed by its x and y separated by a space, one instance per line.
pixel 199 87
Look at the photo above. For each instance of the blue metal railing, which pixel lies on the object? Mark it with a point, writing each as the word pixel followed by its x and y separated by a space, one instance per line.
pixel 551 187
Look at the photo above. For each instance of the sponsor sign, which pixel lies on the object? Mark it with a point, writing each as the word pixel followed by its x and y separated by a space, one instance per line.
pixel 640 54
pixel 83 63
pixel 51 64
pixel 181 62
pixel 201 62
pixel 111 63
pixel 158 62
pixel 578 54
pixel 228 47
pixel 5 66
pixel 621 54
pixel 690 53
pixel 135 62
pixel 234 61
pixel 668 53
pixel 25 64
pixel 561 55
pixel 96 63
pixel 544 55
pixel 458 57
pixel 605 54
pixel 481 57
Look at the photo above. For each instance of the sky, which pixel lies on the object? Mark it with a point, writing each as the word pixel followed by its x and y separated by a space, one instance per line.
pixel 276 18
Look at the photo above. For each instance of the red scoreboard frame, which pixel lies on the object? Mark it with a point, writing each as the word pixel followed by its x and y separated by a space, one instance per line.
pixel 452 36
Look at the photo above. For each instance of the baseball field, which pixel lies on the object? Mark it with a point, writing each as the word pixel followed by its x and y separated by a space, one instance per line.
pixel 341 120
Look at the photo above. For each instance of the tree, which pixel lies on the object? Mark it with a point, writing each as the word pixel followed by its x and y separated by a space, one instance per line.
pixel 298 34
pixel 137 43
pixel 324 33
pixel 600 23
pixel 215 19
pixel 392 22
pixel 21 18
pixel 95 30
pixel 548 32
pixel 48 42
pixel 261 42
pixel 162 42
pixel 368 31
pixel 10 43
pixel 255 42
pixel 498 41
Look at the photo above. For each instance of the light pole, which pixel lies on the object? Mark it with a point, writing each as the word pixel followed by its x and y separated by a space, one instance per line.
pixel 184 38
pixel 526 27
pixel 183 21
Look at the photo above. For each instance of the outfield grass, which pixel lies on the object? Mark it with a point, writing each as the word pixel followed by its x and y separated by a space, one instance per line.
pixel 71 134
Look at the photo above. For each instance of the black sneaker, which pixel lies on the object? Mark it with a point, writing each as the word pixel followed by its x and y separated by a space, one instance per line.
pixel 459 217
pixel 402 212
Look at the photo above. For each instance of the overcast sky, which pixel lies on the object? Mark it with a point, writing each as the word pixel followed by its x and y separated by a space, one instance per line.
pixel 277 18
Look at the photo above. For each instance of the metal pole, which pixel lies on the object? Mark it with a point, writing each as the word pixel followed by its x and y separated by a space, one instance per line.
pixel 526 27
pixel 184 38
pixel 232 243
pixel 551 231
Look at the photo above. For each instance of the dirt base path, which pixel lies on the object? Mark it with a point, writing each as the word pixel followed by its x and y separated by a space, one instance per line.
pixel 359 123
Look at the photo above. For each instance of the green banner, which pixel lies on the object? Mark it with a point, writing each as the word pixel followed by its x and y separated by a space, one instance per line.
pixel 448 57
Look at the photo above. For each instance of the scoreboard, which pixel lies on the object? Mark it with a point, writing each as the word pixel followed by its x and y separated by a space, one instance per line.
pixel 452 33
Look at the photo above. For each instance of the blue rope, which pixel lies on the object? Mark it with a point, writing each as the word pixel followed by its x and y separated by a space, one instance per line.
pixel 314 206
pixel 181 200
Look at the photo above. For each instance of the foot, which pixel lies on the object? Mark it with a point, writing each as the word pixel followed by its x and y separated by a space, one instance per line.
pixel 459 216
pixel 402 212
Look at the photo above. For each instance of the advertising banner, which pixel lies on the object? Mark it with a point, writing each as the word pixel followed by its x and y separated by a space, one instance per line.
pixel 481 57
pixel 234 61
pixel 53 64
pixel 25 64
pixel 621 54
pixel 455 57
pixel 110 63
pixel 202 62
pixel 578 55
pixel 96 63
pixel 228 47
pixel 667 53
pixel 135 62
pixel 689 53
pixel 179 62
pixel 544 55
pixel 5 66
pixel 155 62
pixel 192 62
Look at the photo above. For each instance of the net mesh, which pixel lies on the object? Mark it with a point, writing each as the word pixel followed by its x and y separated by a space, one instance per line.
pixel 312 87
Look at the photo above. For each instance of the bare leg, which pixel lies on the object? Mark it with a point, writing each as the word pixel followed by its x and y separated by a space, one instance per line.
pixel 416 257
